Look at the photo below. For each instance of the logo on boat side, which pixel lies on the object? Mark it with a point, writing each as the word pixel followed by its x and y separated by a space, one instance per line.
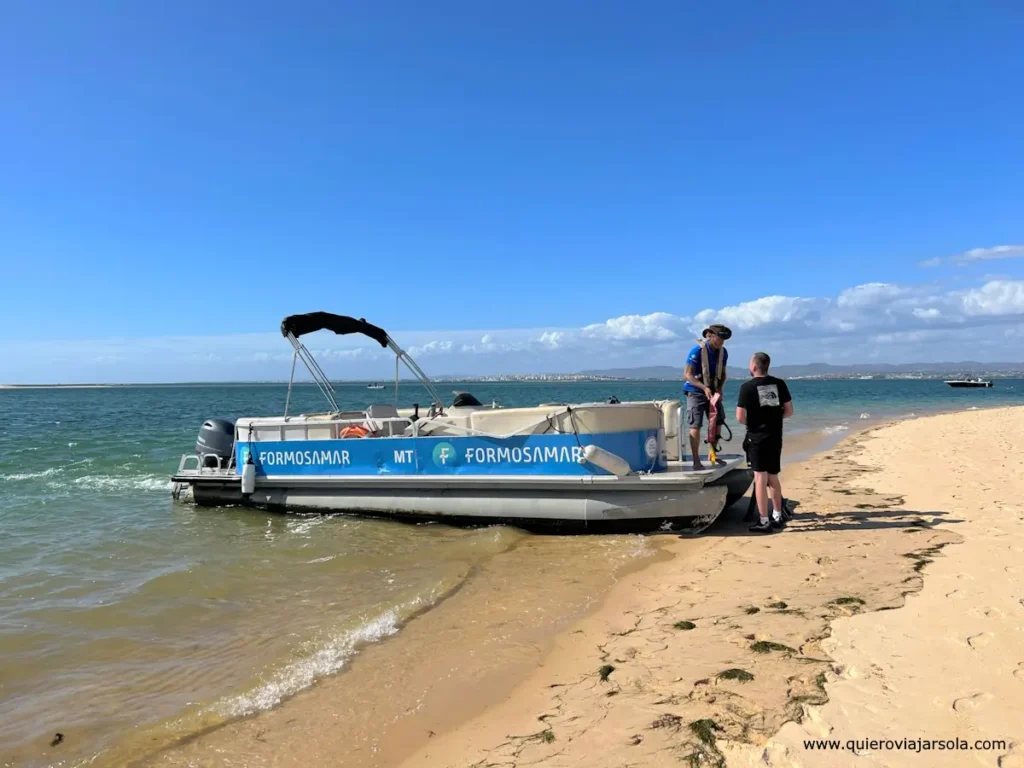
pixel 444 455
pixel 651 447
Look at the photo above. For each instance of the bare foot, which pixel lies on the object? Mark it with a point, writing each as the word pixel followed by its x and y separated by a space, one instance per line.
pixel 698 467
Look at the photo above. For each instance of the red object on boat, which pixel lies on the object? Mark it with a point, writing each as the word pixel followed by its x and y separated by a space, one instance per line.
pixel 715 419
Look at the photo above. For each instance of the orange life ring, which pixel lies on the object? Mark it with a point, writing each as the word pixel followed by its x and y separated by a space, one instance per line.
pixel 354 430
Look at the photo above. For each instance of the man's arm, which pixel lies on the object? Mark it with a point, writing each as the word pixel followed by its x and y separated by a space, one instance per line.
pixel 741 405
pixel 688 375
pixel 787 401
pixel 787 410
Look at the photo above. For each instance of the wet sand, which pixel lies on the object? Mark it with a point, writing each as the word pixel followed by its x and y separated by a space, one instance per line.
pixel 890 607
pixel 825 629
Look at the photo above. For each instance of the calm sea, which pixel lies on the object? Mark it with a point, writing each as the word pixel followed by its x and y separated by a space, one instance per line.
pixel 123 613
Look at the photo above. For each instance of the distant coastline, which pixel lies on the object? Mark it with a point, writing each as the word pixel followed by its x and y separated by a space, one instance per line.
pixel 810 372
pixel 66 386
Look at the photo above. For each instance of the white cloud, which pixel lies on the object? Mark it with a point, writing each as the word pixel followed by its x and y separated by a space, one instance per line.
pixel 434 347
pixel 978 254
pixel 768 310
pixel 879 321
pixel 657 326
pixel 551 339
pixel 869 294
pixel 995 298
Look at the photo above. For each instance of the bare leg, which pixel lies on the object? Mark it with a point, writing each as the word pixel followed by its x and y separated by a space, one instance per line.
pixel 761 490
pixel 776 488
pixel 695 447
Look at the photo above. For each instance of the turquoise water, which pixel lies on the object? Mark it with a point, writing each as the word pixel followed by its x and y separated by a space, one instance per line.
pixel 120 609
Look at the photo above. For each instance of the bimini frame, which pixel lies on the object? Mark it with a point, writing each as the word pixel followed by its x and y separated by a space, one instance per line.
pixel 294 327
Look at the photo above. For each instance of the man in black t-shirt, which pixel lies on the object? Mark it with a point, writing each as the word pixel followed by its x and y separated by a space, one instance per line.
pixel 764 402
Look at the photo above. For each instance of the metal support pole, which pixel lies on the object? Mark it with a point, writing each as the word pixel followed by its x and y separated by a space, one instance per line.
pixel 291 378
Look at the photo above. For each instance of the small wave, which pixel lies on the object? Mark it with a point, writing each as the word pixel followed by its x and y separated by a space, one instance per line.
pixel 326 660
pixel 33 475
pixel 865 416
pixel 641 548
pixel 115 483
pixel 321 559
pixel 302 527
pixel 72 445
pixel 834 430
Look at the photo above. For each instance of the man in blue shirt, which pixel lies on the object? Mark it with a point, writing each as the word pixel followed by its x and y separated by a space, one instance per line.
pixel 704 376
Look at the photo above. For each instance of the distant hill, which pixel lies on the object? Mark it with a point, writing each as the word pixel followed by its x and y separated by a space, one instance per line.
pixel 666 372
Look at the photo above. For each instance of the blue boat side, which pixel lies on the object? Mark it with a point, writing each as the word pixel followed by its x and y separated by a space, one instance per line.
pixel 558 454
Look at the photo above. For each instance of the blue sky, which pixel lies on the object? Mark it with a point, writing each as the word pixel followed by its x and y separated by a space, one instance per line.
pixel 538 186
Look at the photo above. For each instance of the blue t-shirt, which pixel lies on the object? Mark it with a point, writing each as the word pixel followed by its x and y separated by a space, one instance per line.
pixel 698 369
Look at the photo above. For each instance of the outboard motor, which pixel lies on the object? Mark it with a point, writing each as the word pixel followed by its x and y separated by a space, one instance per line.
pixel 216 442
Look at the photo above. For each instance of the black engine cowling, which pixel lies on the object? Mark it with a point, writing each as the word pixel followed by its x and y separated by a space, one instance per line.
pixel 216 442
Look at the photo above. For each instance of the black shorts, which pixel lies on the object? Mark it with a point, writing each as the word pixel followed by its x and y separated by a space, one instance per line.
pixel 764 453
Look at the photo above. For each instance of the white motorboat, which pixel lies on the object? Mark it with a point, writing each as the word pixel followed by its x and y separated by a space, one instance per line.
pixel 976 382
pixel 590 466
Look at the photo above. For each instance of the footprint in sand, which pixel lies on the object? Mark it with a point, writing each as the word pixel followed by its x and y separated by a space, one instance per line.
pixel 980 640
pixel 1012 569
pixel 1019 671
pixel 988 612
pixel 956 594
pixel 1012 759
pixel 967 704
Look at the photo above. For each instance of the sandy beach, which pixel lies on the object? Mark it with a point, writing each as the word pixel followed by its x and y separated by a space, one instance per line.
pixel 890 608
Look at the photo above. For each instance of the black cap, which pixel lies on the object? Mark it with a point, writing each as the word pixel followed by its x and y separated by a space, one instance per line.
pixel 719 330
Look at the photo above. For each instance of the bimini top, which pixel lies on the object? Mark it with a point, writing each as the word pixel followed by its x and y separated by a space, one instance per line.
pixel 300 325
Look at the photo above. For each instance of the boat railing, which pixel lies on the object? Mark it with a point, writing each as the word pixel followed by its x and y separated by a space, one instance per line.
pixel 222 464
pixel 329 429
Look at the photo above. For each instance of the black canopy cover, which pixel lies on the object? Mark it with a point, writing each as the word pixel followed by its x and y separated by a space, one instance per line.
pixel 300 325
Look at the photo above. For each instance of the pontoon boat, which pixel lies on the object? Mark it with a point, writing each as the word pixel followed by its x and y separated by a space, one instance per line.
pixel 590 466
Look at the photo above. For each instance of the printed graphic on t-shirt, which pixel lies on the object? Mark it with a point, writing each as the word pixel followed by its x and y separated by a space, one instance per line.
pixel 768 395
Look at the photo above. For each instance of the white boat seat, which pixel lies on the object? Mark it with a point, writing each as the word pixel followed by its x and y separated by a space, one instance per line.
pixel 378 411
pixel 585 419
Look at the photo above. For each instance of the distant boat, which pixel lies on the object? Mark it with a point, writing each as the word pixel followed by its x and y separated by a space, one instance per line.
pixel 969 383
pixel 375 386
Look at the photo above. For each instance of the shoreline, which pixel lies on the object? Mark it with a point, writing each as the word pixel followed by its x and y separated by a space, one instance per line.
pixel 574 710
pixel 443 715
pixel 448 714
pixel 468 712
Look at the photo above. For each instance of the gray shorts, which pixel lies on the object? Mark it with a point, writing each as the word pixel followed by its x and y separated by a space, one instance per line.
pixel 696 406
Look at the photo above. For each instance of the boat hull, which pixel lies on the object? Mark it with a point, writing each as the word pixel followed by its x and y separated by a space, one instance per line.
pixel 642 505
